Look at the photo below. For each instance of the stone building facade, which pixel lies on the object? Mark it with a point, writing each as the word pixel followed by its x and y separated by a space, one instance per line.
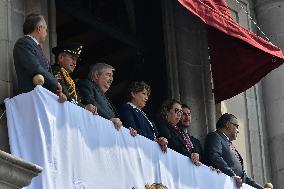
pixel 260 109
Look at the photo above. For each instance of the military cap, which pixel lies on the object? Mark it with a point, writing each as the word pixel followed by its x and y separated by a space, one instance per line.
pixel 71 48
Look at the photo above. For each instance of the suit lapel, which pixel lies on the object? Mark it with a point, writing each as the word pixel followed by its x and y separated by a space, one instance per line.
pixel 177 135
pixel 39 53
pixel 229 143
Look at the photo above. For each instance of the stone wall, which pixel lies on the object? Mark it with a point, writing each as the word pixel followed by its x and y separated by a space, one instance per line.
pixel 189 76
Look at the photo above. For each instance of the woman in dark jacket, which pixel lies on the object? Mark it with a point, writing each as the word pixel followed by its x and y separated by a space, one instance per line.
pixel 169 118
pixel 134 118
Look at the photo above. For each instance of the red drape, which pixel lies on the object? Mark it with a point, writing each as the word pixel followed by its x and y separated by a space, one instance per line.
pixel 238 57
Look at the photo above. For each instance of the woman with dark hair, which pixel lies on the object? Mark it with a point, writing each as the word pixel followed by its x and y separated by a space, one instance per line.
pixel 134 118
pixel 169 118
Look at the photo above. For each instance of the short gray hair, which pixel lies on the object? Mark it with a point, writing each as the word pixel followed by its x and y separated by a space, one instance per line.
pixel 31 22
pixel 98 68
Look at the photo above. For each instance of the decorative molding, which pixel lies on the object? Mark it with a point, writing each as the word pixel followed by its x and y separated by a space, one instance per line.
pixel 15 172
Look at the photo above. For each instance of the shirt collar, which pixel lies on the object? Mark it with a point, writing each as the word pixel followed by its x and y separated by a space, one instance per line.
pixel 133 106
pixel 226 136
pixel 33 38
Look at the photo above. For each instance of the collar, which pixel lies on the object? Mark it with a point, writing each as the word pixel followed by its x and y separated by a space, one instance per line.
pixel 33 38
pixel 97 86
pixel 226 136
pixel 133 106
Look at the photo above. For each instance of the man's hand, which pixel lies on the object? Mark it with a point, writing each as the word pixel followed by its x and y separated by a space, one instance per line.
pixel 117 123
pixel 91 108
pixel 58 89
pixel 62 97
pixel 195 159
pixel 239 181
pixel 163 142
pixel 133 132
pixel 213 169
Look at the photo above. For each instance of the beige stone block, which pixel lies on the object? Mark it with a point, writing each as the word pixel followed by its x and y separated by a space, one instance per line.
pixel 4 61
pixel 277 157
pixel 3 20
pixel 190 45
pixel 6 90
pixel 18 5
pixel 17 28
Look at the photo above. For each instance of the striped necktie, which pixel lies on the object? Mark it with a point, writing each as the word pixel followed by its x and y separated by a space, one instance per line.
pixel 42 52
pixel 233 148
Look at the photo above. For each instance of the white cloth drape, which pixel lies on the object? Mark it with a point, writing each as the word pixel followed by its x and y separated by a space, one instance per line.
pixel 81 151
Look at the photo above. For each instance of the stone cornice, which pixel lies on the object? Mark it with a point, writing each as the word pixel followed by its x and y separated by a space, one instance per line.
pixel 15 172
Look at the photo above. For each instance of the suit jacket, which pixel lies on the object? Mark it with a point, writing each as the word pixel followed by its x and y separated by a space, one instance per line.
pixel 133 117
pixel 90 93
pixel 175 140
pixel 29 61
pixel 221 155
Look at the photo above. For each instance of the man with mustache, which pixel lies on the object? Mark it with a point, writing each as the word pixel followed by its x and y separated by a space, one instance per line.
pixel 221 153
pixel 93 89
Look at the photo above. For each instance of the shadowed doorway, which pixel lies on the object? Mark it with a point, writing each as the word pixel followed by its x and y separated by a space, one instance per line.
pixel 127 34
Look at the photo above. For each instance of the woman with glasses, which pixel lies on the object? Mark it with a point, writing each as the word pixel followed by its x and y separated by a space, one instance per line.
pixel 133 117
pixel 169 118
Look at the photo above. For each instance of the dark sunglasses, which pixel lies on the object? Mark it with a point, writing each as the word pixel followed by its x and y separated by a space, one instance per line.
pixel 178 111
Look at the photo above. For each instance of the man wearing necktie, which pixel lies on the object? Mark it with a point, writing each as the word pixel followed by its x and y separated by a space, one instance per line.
pixel 30 60
pixel 221 153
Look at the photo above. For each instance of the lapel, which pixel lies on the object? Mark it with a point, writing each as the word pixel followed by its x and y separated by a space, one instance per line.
pixel 177 135
pixel 104 97
pixel 38 52
pixel 223 137
pixel 228 145
pixel 32 42
pixel 138 112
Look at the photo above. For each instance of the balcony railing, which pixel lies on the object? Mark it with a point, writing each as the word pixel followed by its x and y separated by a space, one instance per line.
pixel 79 150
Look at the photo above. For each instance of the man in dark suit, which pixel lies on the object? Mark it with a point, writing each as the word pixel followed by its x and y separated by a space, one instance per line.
pixel 184 125
pixel 29 59
pixel 221 153
pixel 93 89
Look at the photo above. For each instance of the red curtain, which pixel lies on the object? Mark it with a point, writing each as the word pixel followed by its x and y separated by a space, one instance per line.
pixel 238 57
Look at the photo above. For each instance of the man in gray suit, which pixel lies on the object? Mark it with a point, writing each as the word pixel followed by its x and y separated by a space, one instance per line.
pixel 221 154
pixel 29 58
pixel 93 89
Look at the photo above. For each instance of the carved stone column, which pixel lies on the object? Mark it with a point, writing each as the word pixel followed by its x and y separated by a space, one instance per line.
pixel 270 16
pixel 188 66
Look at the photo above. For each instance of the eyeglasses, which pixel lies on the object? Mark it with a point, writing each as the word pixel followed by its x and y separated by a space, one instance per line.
pixel 186 114
pixel 178 111
pixel 236 125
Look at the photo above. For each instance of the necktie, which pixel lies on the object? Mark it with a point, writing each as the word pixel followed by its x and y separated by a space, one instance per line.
pixel 235 152
pixel 45 58
pixel 185 137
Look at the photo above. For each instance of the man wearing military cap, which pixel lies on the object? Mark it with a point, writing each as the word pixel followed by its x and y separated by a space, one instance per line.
pixel 66 57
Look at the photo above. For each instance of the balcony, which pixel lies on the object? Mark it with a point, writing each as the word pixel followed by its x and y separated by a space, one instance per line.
pixel 79 150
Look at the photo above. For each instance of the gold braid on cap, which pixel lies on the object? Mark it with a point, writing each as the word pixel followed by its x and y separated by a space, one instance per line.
pixel 70 82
